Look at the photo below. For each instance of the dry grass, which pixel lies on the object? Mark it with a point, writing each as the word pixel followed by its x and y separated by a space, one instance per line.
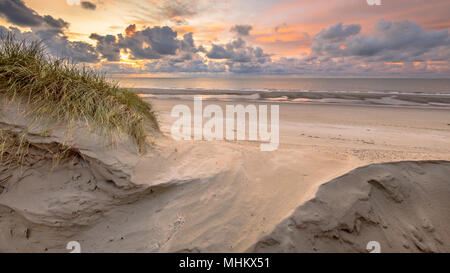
pixel 13 149
pixel 17 153
pixel 59 91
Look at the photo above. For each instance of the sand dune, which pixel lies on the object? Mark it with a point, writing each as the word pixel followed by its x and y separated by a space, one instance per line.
pixel 404 206
pixel 223 196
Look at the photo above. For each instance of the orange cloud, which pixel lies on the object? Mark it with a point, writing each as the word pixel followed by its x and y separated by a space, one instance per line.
pixel 395 63
pixel 284 40
pixel 130 30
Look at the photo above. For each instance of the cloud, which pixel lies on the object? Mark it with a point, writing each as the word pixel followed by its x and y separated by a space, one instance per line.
pixel 178 11
pixel 402 41
pixel 339 32
pixel 240 68
pixel 165 52
pixel 190 66
pixel 276 28
pixel 56 44
pixel 187 44
pixel 188 41
pixel 329 41
pixel 218 52
pixel 55 23
pixel 147 44
pixel 242 30
pixel 88 5
pixel 237 51
pixel 150 43
pixel 337 50
pixel 107 46
pixel 239 57
pixel 16 12
pixel 130 30
pixel 46 29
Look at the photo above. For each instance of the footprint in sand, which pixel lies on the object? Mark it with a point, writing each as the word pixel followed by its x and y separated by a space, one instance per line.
pixel 177 225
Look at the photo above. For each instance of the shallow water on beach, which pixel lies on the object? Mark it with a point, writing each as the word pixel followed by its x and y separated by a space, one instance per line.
pixel 272 83
pixel 368 91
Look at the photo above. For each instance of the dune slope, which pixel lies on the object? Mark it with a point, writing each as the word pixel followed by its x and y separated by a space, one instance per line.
pixel 403 206
pixel 210 197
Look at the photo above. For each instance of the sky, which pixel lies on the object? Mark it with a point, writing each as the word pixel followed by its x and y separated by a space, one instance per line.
pixel 231 37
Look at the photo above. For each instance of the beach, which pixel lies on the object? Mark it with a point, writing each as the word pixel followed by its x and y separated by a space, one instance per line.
pixel 241 127
pixel 217 196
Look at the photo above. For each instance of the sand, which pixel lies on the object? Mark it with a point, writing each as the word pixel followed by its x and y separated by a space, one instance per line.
pixel 222 196
pixel 400 206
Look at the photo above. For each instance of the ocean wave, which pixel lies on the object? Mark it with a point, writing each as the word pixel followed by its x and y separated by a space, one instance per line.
pixel 290 91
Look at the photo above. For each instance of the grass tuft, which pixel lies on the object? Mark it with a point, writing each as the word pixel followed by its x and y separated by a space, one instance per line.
pixel 60 91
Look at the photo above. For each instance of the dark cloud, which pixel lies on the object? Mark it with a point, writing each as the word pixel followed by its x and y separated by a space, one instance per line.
pixel 218 52
pixel 150 43
pixel 188 42
pixel 187 66
pixel 240 68
pixel 55 23
pixel 243 30
pixel 147 44
pixel 338 50
pixel 404 39
pixel 399 41
pixel 239 57
pixel 195 65
pixel 76 51
pixel 56 44
pixel 46 29
pixel 88 5
pixel 161 39
pixel 237 51
pixel 107 46
pixel 339 32
pixel 329 41
pixel 16 12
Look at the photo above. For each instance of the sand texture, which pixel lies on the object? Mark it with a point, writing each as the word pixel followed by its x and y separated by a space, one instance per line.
pixel 400 205
pixel 221 196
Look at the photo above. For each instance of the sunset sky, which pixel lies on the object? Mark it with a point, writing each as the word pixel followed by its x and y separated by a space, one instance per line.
pixel 197 37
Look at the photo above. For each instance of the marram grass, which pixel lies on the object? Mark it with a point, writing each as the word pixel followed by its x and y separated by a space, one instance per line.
pixel 59 91
pixel 17 153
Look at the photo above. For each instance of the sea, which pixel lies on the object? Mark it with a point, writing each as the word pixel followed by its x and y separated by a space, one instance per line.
pixel 390 91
